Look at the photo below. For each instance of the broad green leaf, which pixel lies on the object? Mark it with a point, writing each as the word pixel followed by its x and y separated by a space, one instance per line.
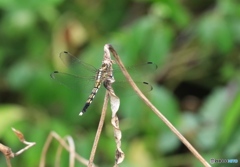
pixel 213 31
pixel 167 142
pixel 230 122
pixel 10 114
pixel 165 102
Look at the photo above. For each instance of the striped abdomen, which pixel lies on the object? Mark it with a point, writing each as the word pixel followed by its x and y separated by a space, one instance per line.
pixel 93 93
pixel 91 97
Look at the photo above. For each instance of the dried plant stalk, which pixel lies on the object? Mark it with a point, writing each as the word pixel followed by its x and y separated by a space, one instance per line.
pixel 70 141
pixel 154 109
pixel 8 152
pixel 54 135
pixel 115 103
pixel 99 130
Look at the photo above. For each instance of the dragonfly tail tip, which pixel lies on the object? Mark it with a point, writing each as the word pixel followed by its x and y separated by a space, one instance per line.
pixel 81 113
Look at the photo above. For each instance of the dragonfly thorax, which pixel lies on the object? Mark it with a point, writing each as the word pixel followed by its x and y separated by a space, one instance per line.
pixel 105 76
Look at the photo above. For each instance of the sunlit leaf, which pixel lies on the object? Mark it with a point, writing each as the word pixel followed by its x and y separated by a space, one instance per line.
pixel 165 103
pixel 214 32
pixel 230 121
pixel 167 142
pixel 10 114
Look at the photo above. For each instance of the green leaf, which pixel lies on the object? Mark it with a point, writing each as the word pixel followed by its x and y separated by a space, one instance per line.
pixel 10 114
pixel 213 31
pixel 165 102
pixel 168 142
pixel 214 105
pixel 230 122
pixel 210 115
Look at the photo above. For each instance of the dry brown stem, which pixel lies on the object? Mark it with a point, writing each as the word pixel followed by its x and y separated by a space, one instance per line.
pixel 154 109
pixel 8 152
pixel 99 130
pixel 54 135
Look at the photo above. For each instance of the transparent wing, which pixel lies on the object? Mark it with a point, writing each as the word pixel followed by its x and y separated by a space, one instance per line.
pixel 77 83
pixel 137 72
pixel 76 66
pixel 81 75
pixel 120 87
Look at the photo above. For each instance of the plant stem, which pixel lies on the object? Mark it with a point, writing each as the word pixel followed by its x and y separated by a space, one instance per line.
pixel 155 110
pixel 99 130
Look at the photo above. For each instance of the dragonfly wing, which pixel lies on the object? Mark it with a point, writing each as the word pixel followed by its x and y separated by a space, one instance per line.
pixel 73 81
pixel 123 86
pixel 137 72
pixel 77 66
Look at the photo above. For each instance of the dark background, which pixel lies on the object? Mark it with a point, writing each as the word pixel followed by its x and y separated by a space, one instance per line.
pixel 196 86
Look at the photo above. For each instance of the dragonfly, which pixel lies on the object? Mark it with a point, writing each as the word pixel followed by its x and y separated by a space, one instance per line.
pixel 83 75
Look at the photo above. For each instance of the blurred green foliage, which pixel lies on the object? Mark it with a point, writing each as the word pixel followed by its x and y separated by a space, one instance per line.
pixel 194 43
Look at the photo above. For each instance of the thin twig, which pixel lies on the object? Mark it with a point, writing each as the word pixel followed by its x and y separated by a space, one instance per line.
pixel 154 109
pixel 64 144
pixel 7 153
pixel 22 139
pixel 45 149
pixel 99 130
pixel 71 152
pixel 58 156
pixel 7 150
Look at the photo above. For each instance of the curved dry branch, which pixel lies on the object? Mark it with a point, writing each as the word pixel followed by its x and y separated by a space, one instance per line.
pixel 54 135
pixel 154 109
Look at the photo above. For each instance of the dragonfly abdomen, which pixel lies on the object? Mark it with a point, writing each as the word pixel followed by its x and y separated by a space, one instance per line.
pixel 93 93
pixel 90 99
